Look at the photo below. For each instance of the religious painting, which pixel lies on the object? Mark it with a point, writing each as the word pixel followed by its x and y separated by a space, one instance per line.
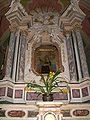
pixel 46 59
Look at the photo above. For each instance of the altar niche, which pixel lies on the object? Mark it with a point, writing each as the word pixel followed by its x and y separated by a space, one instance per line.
pixel 46 59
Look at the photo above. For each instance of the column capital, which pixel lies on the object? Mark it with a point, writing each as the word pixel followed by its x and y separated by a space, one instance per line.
pixel 75 27
pixel 24 31
pixel 13 28
pixel 68 34
pixel 74 2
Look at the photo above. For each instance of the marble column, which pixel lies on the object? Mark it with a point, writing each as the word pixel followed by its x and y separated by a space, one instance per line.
pixel 82 54
pixel 71 60
pixel 22 56
pixel 9 64
pixel 77 56
pixel 16 56
pixel 68 75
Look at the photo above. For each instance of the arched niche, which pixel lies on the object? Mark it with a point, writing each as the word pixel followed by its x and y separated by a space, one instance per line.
pixel 46 58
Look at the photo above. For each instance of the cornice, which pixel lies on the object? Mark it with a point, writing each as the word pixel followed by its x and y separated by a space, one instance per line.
pixel 16 12
pixel 72 17
pixel 24 31
pixel 13 27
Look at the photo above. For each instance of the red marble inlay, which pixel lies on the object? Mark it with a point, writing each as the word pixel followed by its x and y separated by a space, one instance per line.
pixel 81 112
pixel 85 92
pixel 2 91
pixel 38 96
pixel 15 113
pixel 10 92
pixel 76 93
pixel 33 96
pixel 60 96
pixel 18 93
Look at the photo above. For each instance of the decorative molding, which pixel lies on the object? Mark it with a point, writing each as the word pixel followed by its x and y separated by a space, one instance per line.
pixel 72 17
pixel 16 12
pixel 13 28
pixel 24 31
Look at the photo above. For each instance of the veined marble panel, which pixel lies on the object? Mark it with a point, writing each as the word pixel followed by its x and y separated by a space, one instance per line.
pixel 71 60
pixel 22 58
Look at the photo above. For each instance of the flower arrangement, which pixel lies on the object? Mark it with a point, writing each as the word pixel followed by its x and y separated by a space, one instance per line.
pixel 51 82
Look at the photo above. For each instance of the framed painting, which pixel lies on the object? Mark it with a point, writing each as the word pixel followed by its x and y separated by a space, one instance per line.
pixel 46 59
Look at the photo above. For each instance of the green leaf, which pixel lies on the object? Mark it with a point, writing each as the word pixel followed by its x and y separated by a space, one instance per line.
pixel 42 77
pixel 50 83
pixel 52 80
pixel 40 88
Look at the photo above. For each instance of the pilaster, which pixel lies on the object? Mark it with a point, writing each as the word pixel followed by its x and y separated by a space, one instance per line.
pixel 71 60
pixel 10 56
pixel 82 54
pixel 22 54
pixel 66 52
pixel 14 76
pixel 77 56
pixel 72 19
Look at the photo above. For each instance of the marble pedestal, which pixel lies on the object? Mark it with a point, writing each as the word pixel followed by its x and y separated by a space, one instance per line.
pixel 49 111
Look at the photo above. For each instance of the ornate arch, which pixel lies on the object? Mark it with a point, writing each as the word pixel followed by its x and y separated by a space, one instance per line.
pixel 50 47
